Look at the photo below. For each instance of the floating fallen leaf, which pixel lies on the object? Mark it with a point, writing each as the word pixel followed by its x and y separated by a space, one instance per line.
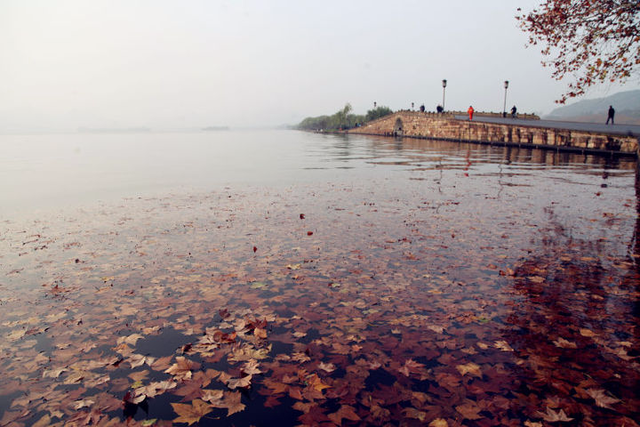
pixel 327 367
pixel 212 396
pixel 131 339
pixel 471 369
pixel 84 403
pixel 415 414
pixel 243 382
pixel 554 416
pixel 182 368
pixel 191 413
pixel 469 410
pixel 345 412
pixel 562 343
pixel 602 399
pixel 502 345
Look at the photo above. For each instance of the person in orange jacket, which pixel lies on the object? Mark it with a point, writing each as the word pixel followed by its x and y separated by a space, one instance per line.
pixel 470 111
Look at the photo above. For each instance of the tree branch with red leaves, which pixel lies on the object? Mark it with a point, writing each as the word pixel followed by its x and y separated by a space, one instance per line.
pixel 593 41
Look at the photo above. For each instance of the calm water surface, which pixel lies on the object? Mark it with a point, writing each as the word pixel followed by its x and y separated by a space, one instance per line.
pixel 39 171
pixel 253 278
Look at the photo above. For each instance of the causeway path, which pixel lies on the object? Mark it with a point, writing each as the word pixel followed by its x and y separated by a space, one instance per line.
pixel 633 130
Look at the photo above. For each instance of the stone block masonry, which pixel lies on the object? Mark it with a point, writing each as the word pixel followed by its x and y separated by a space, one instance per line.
pixel 447 127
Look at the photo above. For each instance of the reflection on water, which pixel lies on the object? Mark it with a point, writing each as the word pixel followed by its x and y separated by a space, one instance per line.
pixel 57 170
pixel 318 279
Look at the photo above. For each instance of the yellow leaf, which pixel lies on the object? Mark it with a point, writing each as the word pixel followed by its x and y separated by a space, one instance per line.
pixel 316 383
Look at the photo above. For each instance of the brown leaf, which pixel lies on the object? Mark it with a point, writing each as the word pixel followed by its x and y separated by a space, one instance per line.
pixel 232 402
pixel 562 343
pixel 182 368
pixel 415 414
pixel 601 398
pixel 470 410
pixel 316 383
pixel 553 416
pixel 327 367
pixel 471 369
pixel 192 413
pixel 251 368
pixel 212 396
pixel 243 382
pixel 345 412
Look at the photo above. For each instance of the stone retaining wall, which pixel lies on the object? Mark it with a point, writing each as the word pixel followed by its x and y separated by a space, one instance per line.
pixel 446 127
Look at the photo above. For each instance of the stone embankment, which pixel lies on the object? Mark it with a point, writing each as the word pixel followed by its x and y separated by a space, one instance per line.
pixel 522 133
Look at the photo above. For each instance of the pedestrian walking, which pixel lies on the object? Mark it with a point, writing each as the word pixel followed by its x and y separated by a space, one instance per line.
pixel 470 111
pixel 612 113
pixel 514 111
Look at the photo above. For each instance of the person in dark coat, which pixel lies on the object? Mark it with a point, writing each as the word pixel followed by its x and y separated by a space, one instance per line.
pixel 612 113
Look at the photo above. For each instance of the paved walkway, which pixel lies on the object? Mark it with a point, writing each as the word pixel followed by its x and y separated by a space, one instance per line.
pixel 633 130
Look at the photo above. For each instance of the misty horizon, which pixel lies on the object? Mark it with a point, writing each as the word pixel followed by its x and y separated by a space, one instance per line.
pixel 169 66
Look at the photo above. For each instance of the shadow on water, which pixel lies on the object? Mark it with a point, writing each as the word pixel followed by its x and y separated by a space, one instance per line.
pixel 429 154
pixel 575 332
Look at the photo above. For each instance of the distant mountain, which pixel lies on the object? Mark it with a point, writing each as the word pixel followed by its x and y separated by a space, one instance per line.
pixel 626 104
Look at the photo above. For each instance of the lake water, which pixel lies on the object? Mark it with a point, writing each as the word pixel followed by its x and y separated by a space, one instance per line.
pixel 244 277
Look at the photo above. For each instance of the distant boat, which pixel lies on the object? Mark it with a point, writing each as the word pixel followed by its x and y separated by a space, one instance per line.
pixel 210 128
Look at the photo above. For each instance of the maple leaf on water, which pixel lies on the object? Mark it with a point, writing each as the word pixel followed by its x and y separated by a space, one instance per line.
pixel 133 398
pixel 251 368
pixel 503 345
pixel 192 413
pixel 138 360
pixel 410 366
pixel 316 383
pixel 601 398
pixel 53 373
pixel 246 353
pixel 156 388
pixel 131 339
pixel 470 410
pixel 471 369
pixel 553 416
pixel 415 414
pixel 562 343
pixel 232 402
pixel 243 382
pixel 182 368
pixel 327 367
pixel 345 412
pixel 85 403
pixel 212 396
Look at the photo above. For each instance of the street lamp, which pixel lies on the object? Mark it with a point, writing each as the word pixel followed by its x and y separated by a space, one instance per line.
pixel 504 107
pixel 444 86
pixel 374 104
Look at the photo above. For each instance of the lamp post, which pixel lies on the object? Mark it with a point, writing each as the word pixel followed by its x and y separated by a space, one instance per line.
pixel 504 106
pixel 374 104
pixel 444 86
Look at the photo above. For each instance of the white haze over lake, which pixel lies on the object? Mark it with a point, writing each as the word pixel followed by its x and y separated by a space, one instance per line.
pixel 166 65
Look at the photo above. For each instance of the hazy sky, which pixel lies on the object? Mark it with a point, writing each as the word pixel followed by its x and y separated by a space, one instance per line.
pixel 169 64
